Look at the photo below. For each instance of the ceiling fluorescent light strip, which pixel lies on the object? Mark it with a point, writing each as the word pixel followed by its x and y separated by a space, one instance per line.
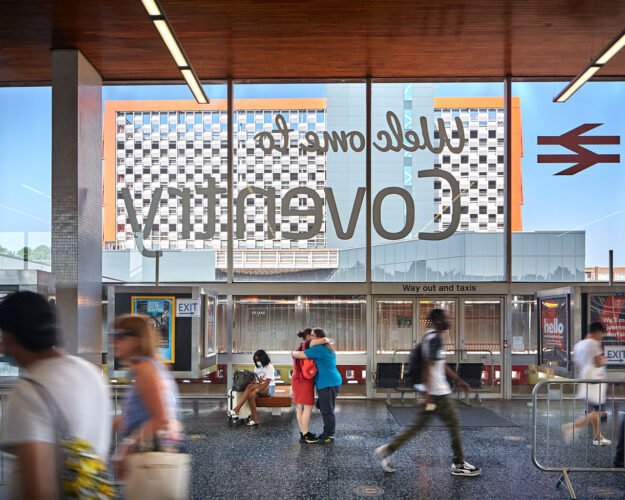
pixel 157 16
pixel 574 86
pixel 617 44
pixel 194 85
pixel 152 8
pixel 170 42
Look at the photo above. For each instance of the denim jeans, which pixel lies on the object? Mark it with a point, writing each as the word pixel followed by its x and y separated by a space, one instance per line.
pixel 327 400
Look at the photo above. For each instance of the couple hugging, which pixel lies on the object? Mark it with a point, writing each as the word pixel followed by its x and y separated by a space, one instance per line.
pixel 315 348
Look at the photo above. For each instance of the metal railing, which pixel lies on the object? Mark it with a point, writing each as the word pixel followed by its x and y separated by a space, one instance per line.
pixel 560 411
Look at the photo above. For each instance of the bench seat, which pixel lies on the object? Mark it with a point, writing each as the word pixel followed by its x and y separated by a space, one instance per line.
pixel 280 399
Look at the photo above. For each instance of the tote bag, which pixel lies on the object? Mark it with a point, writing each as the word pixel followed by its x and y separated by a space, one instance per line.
pixel 158 475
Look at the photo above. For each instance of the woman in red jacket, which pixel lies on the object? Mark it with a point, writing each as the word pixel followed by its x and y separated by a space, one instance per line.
pixel 304 388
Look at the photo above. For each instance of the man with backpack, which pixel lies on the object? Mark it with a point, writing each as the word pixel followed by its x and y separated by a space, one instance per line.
pixel 428 368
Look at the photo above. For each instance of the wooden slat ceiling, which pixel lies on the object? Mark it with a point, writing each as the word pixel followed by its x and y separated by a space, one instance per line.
pixel 253 39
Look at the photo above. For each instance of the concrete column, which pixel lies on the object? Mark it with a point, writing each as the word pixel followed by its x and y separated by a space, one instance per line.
pixel 77 201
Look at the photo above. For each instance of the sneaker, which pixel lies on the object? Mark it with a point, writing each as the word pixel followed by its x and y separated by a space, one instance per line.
pixel 309 437
pixel 324 440
pixel 465 469
pixel 383 455
pixel 567 433
pixel 601 441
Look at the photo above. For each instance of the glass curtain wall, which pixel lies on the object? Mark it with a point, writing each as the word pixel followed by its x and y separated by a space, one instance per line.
pixel 437 182
pixel 26 178
pixel 272 323
pixel 571 200
pixel 165 173
pixel 299 180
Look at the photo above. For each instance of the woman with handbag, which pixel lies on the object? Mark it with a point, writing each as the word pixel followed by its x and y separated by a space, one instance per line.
pixel 328 381
pixel 151 460
pixel 303 386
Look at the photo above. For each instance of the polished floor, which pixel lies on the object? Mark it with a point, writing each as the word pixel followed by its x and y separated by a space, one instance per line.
pixel 268 462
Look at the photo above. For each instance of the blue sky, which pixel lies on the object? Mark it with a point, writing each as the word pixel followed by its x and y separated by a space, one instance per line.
pixel 591 200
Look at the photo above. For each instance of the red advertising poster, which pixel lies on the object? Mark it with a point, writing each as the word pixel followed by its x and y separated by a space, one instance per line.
pixel 554 331
pixel 610 311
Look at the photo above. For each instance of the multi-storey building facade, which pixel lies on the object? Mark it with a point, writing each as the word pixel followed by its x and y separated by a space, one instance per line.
pixel 169 160
pixel 479 167
pixel 177 145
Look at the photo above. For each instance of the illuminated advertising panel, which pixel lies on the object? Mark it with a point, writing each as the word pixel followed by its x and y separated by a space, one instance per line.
pixel 554 332
pixel 610 311
pixel 160 310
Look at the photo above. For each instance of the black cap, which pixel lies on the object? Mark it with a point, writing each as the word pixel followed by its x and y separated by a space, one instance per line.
pixel 31 319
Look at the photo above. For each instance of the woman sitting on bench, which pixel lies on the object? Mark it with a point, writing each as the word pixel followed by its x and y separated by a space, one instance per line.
pixel 264 386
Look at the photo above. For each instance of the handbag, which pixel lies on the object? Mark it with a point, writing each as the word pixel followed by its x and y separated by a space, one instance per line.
pixel 308 367
pixel 241 379
pixel 157 475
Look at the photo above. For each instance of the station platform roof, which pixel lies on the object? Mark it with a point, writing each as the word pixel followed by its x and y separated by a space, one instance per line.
pixel 248 39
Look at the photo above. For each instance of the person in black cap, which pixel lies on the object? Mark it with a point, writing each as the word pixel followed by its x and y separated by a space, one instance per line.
pixel 55 391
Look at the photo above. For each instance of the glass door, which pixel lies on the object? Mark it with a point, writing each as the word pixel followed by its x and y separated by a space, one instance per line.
pixel 449 336
pixel 479 340
pixel 394 332
pixel 394 327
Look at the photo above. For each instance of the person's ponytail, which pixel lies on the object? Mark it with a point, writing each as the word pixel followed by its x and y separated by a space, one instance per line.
pixel 304 333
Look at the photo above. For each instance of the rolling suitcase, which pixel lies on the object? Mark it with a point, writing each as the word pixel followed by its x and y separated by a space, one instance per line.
pixel 235 397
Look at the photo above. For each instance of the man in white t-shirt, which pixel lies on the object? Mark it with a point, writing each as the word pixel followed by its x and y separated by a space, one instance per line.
pixel 437 401
pixel 71 386
pixel 590 364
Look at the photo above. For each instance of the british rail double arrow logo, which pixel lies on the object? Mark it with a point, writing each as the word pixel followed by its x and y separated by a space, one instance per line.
pixel 583 158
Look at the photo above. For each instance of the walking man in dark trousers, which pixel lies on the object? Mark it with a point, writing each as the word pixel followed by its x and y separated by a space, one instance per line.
pixel 437 400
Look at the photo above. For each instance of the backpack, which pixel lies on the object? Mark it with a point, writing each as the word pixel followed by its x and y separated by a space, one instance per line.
pixel 309 368
pixel 415 366
pixel 83 472
pixel 241 379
